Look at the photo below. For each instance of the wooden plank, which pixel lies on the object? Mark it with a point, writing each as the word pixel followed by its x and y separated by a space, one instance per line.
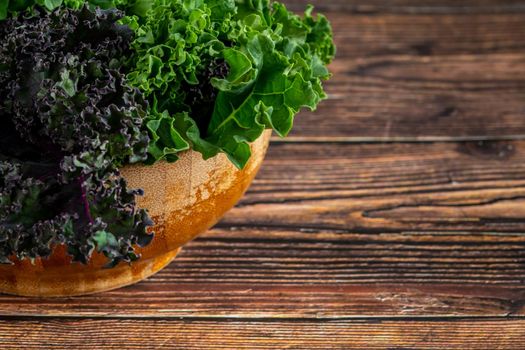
pixel 349 231
pixel 400 187
pixel 425 99
pixel 284 275
pixel 352 246
pixel 247 274
pixel 311 274
pixel 460 334
pixel 425 77
pixel 390 35
pixel 412 6
pixel 422 70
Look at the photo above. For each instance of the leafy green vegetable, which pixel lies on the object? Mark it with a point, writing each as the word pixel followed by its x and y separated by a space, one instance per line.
pixel 277 68
pixel 276 62
pixel 68 121
pixel 231 67
pixel 14 7
pixel 3 8
pixel 84 91
pixel 178 50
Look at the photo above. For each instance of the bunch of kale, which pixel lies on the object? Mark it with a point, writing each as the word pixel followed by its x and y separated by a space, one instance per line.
pixel 84 91
pixel 68 120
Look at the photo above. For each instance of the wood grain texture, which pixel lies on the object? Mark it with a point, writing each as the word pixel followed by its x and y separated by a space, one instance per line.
pixel 391 35
pixel 349 231
pixel 401 187
pixel 414 7
pixel 249 279
pixel 421 70
pixel 437 76
pixel 238 334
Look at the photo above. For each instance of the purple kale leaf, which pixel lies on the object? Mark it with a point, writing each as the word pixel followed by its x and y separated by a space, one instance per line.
pixel 68 121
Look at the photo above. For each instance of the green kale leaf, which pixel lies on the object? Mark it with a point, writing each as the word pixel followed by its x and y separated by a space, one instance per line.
pixel 277 68
pixel 234 67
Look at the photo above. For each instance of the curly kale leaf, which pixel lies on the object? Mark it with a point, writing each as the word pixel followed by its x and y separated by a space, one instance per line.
pixel 214 74
pixel 234 68
pixel 15 7
pixel 69 120
pixel 277 67
pixel 178 49
pixel 230 67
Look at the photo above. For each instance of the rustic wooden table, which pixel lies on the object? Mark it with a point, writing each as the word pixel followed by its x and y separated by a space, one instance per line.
pixel 393 218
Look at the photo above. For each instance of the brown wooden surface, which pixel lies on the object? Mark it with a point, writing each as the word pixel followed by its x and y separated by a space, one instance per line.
pixel 393 218
pixel 423 70
pixel 261 335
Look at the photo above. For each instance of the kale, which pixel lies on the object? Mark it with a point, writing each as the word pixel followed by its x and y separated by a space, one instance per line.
pixel 201 98
pixel 69 121
pixel 276 62
pixel 85 91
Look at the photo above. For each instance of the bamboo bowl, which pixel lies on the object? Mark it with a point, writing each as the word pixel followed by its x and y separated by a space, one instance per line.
pixel 184 199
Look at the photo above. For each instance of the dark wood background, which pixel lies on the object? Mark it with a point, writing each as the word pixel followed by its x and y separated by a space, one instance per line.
pixel 392 218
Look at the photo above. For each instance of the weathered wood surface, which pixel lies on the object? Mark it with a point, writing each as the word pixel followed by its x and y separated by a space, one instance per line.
pixel 400 187
pixel 371 7
pixel 345 242
pixel 326 278
pixel 411 98
pixel 463 334
pixel 436 76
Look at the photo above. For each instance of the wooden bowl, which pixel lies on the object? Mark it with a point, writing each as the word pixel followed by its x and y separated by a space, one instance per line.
pixel 184 199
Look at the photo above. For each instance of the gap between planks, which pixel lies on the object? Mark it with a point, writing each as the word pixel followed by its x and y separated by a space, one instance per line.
pixel 273 319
